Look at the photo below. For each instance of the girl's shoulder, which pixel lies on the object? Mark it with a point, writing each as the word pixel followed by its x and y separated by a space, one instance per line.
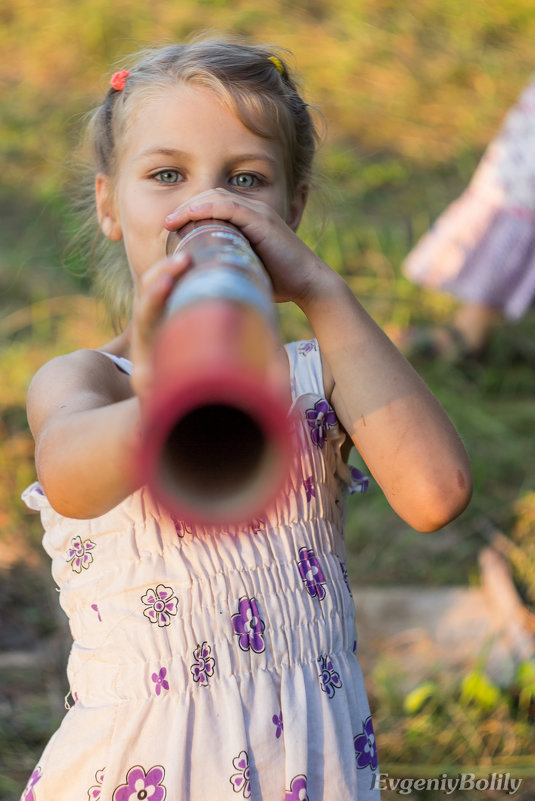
pixel 65 381
pixel 84 368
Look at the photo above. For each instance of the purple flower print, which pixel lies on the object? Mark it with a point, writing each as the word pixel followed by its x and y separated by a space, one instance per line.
pixel 277 721
pixel 308 484
pixel 311 573
pixel 79 554
pixel 298 789
pixel 345 576
pixel 94 792
pixel 359 481
pixel 204 664
pixel 248 625
pixel 140 785
pixel 366 747
pixel 329 678
pixel 181 528
pixel 255 525
pixel 160 681
pixel 241 781
pixel 305 348
pixel 161 604
pixel 319 419
pixel 28 793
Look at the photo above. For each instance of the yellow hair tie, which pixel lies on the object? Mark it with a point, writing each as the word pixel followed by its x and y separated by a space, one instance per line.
pixel 277 64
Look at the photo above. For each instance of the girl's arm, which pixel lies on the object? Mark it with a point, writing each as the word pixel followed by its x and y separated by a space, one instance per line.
pixel 85 423
pixel 85 414
pixel 395 422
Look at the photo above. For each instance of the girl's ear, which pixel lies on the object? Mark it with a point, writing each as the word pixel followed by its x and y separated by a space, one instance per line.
pixel 106 212
pixel 297 206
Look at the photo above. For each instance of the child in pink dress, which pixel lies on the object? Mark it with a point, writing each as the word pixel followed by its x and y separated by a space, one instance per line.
pixel 482 248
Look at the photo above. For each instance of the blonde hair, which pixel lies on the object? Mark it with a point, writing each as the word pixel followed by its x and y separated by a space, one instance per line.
pixel 254 82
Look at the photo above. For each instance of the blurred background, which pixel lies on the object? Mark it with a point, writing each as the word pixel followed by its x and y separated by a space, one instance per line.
pixel 411 95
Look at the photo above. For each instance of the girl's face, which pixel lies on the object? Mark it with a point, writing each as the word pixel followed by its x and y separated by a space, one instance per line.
pixel 180 142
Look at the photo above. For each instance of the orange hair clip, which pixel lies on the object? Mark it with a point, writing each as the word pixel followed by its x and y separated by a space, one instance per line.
pixel 118 80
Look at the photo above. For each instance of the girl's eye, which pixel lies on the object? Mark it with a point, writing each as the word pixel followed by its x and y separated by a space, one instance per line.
pixel 168 176
pixel 244 180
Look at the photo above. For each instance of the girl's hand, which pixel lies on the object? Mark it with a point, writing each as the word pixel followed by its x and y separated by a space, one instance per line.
pixel 152 293
pixel 294 269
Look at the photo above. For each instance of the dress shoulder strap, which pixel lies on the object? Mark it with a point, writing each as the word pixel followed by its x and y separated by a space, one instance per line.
pixel 123 364
pixel 306 373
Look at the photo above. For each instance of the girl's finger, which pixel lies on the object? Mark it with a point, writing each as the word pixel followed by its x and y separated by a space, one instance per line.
pixel 156 286
pixel 173 266
pixel 214 203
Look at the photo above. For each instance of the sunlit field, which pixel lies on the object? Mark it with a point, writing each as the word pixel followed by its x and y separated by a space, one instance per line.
pixel 410 95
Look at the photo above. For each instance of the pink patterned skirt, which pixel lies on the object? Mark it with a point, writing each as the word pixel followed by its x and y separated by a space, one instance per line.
pixel 482 248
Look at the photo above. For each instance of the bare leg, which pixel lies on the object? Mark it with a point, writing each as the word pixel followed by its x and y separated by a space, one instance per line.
pixel 474 323
pixel 467 334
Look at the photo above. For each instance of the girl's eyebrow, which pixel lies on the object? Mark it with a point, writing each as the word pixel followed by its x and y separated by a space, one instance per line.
pixel 248 157
pixel 170 152
pixel 255 157
pixel 161 151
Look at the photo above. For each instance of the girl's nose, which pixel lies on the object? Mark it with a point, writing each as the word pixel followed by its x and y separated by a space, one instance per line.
pixel 198 189
pixel 207 183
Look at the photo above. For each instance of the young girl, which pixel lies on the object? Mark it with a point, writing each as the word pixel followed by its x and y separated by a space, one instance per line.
pixel 220 664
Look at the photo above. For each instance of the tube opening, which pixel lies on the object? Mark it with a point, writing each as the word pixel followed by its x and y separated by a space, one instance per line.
pixel 214 457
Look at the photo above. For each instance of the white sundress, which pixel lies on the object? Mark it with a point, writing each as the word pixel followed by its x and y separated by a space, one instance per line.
pixel 214 666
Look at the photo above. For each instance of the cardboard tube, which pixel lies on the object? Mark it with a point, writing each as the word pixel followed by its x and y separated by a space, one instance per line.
pixel 217 433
